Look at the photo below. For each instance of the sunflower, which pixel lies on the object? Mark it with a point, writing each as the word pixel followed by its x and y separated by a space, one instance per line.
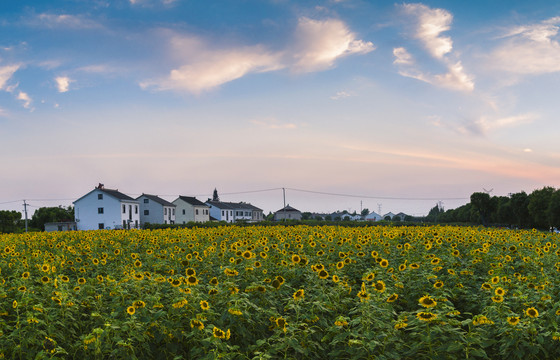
pixel 335 278
pixel 175 282
pixel 214 281
pixel 426 316
pixel 531 312
pixel 486 286
pixel 495 280
pixel 427 302
pixel 497 298
pixel 379 286
pixel 45 267
pixel 22 288
pixel 393 298
pixel 323 274
pixel 499 291
pixel 402 267
pixel 204 305
pixel 190 272
pixel 14 304
pixel 340 265
pixel 384 263
pixel 296 259
pixel 45 279
pixel 281 323
pixel 192 280
pixel 247 254
pixel 438 284
pixel 414 266
pixel 81 281
pixel 212 291
pixel 235 312
pixel 137 263
pixel 513 320
pixel 435 261
pixel 131 310
pixel 139 304
pixel 299 295
pixel 100 278
pixel 138 276
pixel 25 275
pixel 197 324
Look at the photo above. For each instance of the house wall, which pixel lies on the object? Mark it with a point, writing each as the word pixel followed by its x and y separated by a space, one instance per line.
pixel 130 215
pixel 201 213
pixel 184 211
pixel 222 214
pixel 288 215
pixel 87 216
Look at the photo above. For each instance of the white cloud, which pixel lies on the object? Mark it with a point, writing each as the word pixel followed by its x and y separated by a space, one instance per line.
pixel 402 56
pixel 320 43
pixel 486 124
pixel 6 73
pixel 272 123
pixel 430 24
pixel 63 83
pixel 25 98
pixel 530 49
pixel 455 78
pixel 65 21
pixel 340 95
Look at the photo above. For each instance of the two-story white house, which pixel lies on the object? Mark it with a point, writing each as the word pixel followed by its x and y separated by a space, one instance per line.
pixel 104 208
pixel 191 209
pixel 155 210
pixel 232 212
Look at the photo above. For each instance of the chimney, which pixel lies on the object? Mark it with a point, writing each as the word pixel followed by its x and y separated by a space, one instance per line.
pixel 101 186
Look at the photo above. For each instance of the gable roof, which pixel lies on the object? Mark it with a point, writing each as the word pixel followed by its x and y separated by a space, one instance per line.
pixel 156 199
pixel 191 200
pixel 232 206
pixel 288 208
pixel 113 193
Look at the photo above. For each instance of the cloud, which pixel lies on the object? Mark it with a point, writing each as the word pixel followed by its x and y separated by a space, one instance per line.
pixel 402 56
pixel 6 73
pixel 529 49
pixel 320 43
pixel 64 21
pixel 25 98
pixel 340 95
pixel 429 26
pixel 63 83
pixel 485 124
pixel 272 123
pixel 455 78
pixel 205 66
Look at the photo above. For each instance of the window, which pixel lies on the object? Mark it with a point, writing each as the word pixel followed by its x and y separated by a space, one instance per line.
pixel 99 196
pixel 173 211
pixel 136 224
pixel 165 211
pixel 100 210
pixel 124 209
pixel 206 212
pixel 183 211
pixel 196 211
pixel 136 209
pixel 146 201
pixel 146 212
pixel 101 226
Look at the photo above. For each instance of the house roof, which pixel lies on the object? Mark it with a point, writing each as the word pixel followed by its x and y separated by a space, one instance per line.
pixel 156 199
pixel 191 200
pixel 114 193
pixel 232 206
pixel 288 208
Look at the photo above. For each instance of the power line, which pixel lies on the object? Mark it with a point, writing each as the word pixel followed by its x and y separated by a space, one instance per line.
pixel 9 202
pixel 373 197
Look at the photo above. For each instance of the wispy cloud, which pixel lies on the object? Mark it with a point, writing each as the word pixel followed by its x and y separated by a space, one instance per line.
pixel 63 83
pixel 487 124
pixel 6 73
pixel 320 43
pixel 429 24
pixel 340 95
pixel 25 98
pixel 272 123
pixel 529 49
pixel 64 21
pixel 316 46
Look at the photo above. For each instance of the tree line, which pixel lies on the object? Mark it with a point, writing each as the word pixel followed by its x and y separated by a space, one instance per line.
pixel 12 222
pixel 539 209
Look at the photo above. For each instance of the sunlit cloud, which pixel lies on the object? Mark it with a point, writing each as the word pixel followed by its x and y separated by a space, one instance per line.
pixel 317 45
pixel 529 49
pixel 486 124
pixel 25 98
pixel 63 83
pixel 64 21
pixel 320 43
pixel 272 123
pixel 429 26
pixel 6 73
pixel 402 56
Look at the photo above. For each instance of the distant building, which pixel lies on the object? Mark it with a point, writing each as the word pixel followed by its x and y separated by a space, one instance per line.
pixel 191 209
pixel 287 213
pixel 232 212
pixel 390 215
pixel 104 208
pixel 155 210
pixel 373 216
pixel 61 226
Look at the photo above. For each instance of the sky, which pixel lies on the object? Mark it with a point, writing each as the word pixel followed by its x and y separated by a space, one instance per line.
pixel 346 104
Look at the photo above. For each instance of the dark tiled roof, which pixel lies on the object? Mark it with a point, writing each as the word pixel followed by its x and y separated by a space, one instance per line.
pixel 117 194
pixel 232 206
pixel 156 199
pixel 288 208
pixel 192 200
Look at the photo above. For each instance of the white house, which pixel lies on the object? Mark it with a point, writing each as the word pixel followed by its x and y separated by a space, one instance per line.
pixel 232 212
pixel 191 209
pixel 104 208
pixel 287 213
pixel 155 210
pixel 373 216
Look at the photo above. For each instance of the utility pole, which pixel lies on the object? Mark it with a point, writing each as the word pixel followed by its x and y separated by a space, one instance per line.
pixel 25 211
pixel 379 209
pixel 284 210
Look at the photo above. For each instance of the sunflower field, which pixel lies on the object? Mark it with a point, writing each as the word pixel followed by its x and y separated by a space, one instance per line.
pixel 299 292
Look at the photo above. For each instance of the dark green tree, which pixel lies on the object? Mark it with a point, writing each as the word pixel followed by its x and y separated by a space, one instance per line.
pixel 553 210
pixel 51 214
pixel 9 221
pixel 519 208
pixel 539 201
pixel 365 212
pixel 482 203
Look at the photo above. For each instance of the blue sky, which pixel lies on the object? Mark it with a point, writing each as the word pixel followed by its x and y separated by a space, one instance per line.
pixel 394 102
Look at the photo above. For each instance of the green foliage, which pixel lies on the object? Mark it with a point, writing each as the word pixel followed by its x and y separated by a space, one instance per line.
pixel 9 221
pixel 51 214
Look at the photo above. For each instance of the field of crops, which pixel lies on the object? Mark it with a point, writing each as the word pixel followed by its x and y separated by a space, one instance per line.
pixel 281 292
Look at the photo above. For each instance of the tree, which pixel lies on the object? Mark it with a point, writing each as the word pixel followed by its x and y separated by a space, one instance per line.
pixel 365 212
pixel 553 210
pixel 215 196
pixel 51 214
pixel 482 203
pixel 9 221
pixel 519 208
pixel 539 201
pixel 306 216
